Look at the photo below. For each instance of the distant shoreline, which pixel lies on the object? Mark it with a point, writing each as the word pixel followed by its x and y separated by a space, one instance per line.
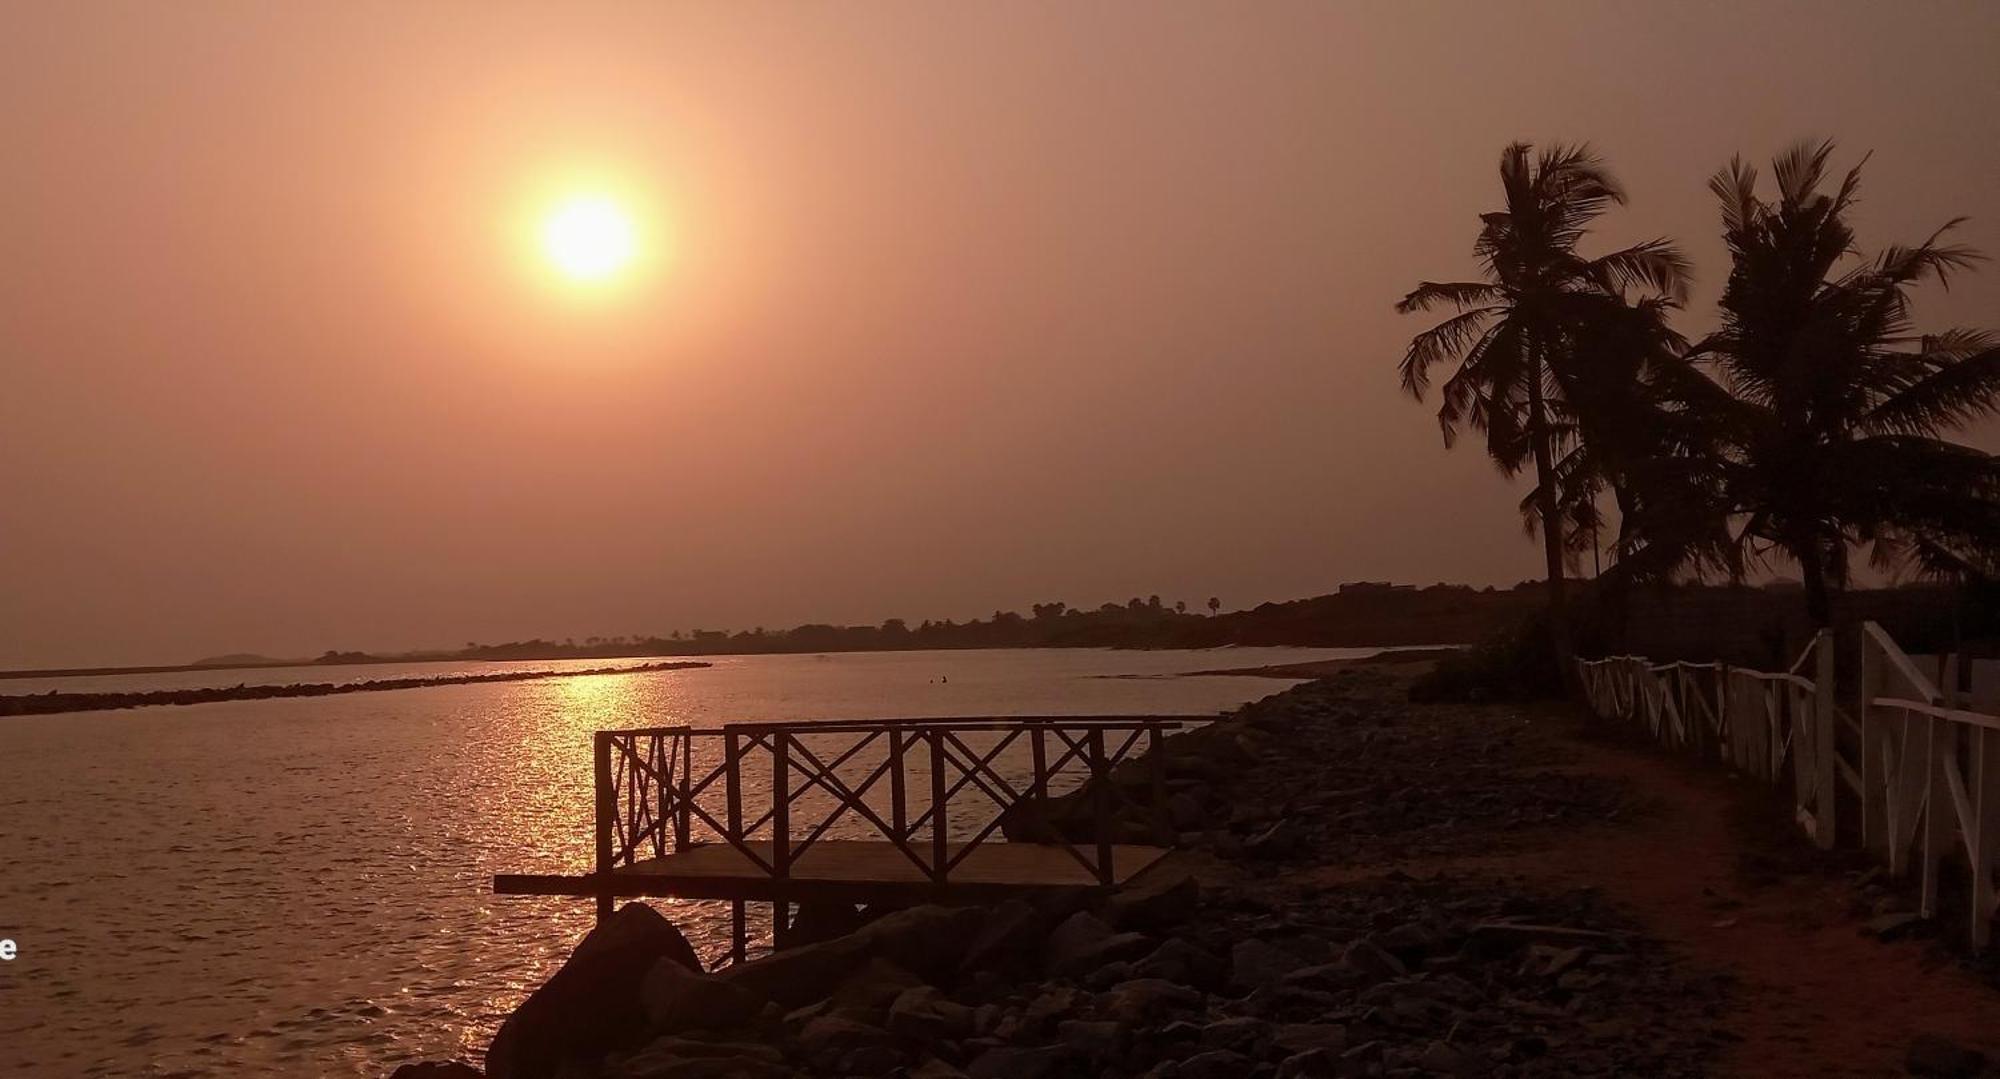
pixel 1321 668
pixel 1361 615
pixel 55 703
pixel 384 661
pixel 1312 668
pixel 301 664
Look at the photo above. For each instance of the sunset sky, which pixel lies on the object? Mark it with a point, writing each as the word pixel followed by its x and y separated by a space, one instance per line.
pixel 928 309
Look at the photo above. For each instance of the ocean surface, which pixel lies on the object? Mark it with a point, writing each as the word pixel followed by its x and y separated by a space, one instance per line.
pixel 303 887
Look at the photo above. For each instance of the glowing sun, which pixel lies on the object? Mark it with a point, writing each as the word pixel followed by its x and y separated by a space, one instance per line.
pixel 589 238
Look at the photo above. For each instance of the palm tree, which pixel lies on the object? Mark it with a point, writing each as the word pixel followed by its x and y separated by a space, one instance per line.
pixel 1645 427
pixel 1835 405
pixel 1515 335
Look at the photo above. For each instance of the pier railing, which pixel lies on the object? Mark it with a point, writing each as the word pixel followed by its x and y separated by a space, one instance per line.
pixel 933 789
pixel 1923 772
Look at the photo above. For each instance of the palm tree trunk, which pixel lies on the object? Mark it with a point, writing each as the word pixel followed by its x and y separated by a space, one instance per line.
pixel 1812 573
pixel 1547 507
pixel 1614 597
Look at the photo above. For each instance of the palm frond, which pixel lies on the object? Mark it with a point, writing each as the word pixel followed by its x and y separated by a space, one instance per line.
pixel 1735 187
pixel 1460 295
pixel 1445 341
pixel 1898 267
pixel 1799 170
pixel 1958 389
pixel 1656 265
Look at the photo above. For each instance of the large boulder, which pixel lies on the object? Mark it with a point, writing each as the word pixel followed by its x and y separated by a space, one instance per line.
pixel 1182 963
pixel 1099 1039
pixel 1311 1064
pixel 1071 944
pixel 830 1037
pixel 1280 841
pixel 1154 903
pixel 677 999
pixel 1007 938
pixel 1930 1055
pixel 1144 1000
pixel 1215 1064
pixel 434 1069
pixel 1254 963
pixel 798 976
pixel 1048 819
pixel 680 1058
pixel 925 1014
pixel 866 994
pixel 928 941
pixel 593 1004
pixel 818 921
pixel 1096 960
pixel 1330 1038
pixel 1372 962
pixel 1020 1062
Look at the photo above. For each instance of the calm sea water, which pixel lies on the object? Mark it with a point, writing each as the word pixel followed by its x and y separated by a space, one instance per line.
pixel 303 887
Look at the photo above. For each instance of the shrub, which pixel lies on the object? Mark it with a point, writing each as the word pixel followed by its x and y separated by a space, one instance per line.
pixel 1517 663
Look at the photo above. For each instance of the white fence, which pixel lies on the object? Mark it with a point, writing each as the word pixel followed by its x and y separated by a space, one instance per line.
pixel 1924 772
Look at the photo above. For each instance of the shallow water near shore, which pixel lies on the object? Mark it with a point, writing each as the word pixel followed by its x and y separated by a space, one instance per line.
pixel 303 886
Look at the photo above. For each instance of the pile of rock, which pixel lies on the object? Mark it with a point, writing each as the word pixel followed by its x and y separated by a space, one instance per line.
pixel 1257 975
pixel 1339 770
pixel 1395 978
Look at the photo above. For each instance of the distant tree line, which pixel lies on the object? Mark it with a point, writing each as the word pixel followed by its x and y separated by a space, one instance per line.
pixel 1362 616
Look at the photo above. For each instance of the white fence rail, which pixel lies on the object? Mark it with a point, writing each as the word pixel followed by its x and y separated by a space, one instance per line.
pixel 1925 774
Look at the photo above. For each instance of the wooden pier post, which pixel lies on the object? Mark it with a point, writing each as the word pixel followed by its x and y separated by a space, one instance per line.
pixel 1156 769
pixel 939 857
pixel 1100 775
pixel 739 932
pixel 781 805
pixel 607 811
pixel 683 808
pixel 899 806
pixel 732 764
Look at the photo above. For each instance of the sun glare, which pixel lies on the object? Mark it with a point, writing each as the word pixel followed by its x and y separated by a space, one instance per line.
pixel 589 238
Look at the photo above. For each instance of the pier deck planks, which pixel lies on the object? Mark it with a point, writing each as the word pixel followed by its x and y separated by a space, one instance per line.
pixel 857 870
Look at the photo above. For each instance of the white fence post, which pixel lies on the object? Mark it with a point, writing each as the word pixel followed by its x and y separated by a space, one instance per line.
pixel 1874 815
pixel 1928 769
pixel 1826 772
pixel 1984 844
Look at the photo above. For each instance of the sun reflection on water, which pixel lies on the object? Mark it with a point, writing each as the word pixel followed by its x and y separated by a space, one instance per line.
pixel 600 702
pixel 385 816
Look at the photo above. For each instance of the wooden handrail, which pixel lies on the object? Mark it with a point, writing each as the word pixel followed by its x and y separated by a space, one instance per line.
pixel 987 723
pixel 1939 711
pixel 650 796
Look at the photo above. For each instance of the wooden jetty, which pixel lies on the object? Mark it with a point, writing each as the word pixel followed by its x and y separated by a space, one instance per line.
pixel 869 811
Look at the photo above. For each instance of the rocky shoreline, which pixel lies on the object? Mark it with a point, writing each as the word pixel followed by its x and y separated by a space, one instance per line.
pixel 53 702
pixel 1255 950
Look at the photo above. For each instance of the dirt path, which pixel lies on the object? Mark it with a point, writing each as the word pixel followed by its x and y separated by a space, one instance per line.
pixel 1817 997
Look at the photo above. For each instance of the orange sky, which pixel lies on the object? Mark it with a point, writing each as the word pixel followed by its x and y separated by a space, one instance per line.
pixel 946 309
